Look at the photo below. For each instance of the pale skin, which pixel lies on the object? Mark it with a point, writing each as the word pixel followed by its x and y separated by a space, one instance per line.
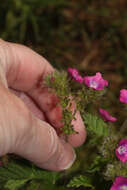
pixel 29 114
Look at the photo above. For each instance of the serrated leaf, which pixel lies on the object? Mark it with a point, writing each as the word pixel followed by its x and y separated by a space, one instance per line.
pixel 81 181
pixel 15 184
pixel 96 125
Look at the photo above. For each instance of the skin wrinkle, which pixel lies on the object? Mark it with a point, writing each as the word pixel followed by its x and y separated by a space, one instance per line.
pixel 23 142
pixel 26 125
pixel 53 146
pixel 11 71
pixel 32 106
pixel 29 128
pixel 4 149
pixel 2 76
pixel 18 120
pixel 4 53
pixel 2 66
pixel 52 150
pixel 4 130
pixel 7 55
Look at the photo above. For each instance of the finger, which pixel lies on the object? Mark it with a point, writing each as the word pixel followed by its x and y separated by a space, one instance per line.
pixel 77 139
pixel 49 103
pixel 30 104
pixel 29 137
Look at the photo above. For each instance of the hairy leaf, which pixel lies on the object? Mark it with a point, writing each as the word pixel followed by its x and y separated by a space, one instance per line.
pixel 96 125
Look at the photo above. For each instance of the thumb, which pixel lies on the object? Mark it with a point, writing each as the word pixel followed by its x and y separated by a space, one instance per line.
pixel 25 135
pixel 44 147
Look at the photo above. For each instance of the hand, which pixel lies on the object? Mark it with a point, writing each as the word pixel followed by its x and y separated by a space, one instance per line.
pixel 29 112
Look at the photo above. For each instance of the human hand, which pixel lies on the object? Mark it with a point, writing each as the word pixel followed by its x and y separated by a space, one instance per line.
pixel 28 112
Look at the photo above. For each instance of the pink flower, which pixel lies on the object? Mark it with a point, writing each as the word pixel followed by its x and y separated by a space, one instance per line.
pixel 120 183
pixel 79 79
pixel 121 151
pixel 106 116
pixel 73 72
pixel 123 96
pixel 75 75
pixel 96 82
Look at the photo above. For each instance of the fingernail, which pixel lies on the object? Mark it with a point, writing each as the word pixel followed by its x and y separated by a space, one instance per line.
pixel 67 157
pixel 71 163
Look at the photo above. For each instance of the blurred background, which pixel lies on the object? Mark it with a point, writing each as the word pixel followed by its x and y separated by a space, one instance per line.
pixel 87 34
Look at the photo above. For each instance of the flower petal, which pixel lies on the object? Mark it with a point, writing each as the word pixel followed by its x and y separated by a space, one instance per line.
pixel 96 82
pixel 106 116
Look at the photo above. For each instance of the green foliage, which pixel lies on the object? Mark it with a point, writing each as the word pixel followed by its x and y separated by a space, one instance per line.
pixel 16 175
pixel 34 185
pixel 81 181
pixel 109 145
pixel 96 125
pixel 59 82
pixel 98 163
pixel 115 169
pixel 15 184
pixel 22 16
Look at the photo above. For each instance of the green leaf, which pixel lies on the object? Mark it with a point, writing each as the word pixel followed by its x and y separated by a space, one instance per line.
pixel 15 171
pixel 16 174
pixel 81 181
pixel 47 176
pixel 97 164
pixel 95 125
pixel 15 184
